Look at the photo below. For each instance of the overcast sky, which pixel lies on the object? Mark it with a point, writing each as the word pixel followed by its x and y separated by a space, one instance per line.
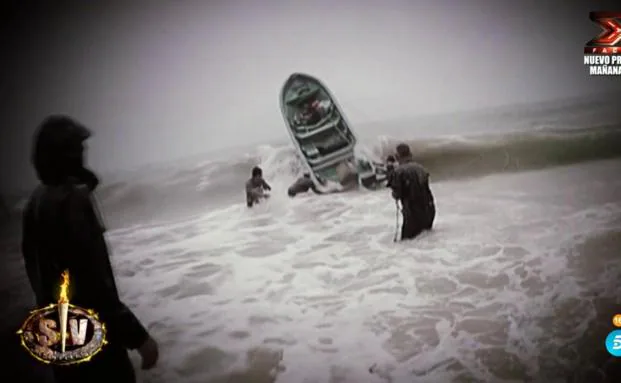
pixel 163 79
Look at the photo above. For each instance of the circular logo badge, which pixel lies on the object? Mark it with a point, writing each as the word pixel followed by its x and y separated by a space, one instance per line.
pixel 47 340
pixel 616 320
pixel 613 343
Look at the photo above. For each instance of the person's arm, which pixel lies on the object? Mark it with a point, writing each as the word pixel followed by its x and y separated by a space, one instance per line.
pixel 313 187
pixel 265 185
pixel 396 184
pixel 90 262
pixel 428 189
pixel 315 190
pixel 389 175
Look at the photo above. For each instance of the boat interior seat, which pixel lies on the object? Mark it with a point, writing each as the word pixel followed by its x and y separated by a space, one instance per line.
pixel 310 150
pixel 334 147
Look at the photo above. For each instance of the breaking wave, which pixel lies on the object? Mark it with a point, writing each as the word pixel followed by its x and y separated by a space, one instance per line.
pixel 192 188
pixel 458 157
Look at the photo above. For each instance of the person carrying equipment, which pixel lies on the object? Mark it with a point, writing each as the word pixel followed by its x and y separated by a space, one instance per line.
pixel 256 187
pixel 410 186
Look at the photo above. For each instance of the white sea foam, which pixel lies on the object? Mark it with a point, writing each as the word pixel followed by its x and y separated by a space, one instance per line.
pixel 313 288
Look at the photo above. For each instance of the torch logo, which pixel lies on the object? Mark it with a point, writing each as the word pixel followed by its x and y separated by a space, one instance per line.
pixel 62 333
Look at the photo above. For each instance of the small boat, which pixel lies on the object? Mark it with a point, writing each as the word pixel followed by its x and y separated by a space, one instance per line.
pixel 323 137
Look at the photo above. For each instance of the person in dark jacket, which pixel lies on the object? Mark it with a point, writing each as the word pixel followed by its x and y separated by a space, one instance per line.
pixel 390 168
pixel 62 231
pixel 256 187
pixel 410 185
pixel 302 185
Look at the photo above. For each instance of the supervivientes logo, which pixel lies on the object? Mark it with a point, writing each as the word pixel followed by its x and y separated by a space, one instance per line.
pixel 61 333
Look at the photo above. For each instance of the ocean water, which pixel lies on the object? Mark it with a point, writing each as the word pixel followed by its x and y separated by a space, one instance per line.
pixel 313 289
pixel 319 289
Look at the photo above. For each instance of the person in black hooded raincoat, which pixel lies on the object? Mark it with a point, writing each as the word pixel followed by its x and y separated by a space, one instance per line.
pixel 62 231
pixel 409 182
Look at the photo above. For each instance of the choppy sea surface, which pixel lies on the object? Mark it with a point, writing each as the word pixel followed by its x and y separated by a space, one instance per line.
pixel 313 289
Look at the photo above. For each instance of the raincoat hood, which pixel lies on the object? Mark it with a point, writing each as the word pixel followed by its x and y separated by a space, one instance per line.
pixel 58 151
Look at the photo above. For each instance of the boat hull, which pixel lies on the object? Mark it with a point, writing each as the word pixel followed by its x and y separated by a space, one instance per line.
pixel 323 136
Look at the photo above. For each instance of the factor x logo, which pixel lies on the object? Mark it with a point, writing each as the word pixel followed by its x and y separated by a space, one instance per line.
pixel 609 39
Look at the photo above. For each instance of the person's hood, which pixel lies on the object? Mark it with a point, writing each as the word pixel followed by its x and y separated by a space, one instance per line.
pixel 57 148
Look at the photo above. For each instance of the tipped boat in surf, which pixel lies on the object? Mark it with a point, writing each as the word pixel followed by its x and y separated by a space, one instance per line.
pixel 323 137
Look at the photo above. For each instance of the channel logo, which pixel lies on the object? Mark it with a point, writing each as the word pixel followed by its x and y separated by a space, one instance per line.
pixel 613 343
